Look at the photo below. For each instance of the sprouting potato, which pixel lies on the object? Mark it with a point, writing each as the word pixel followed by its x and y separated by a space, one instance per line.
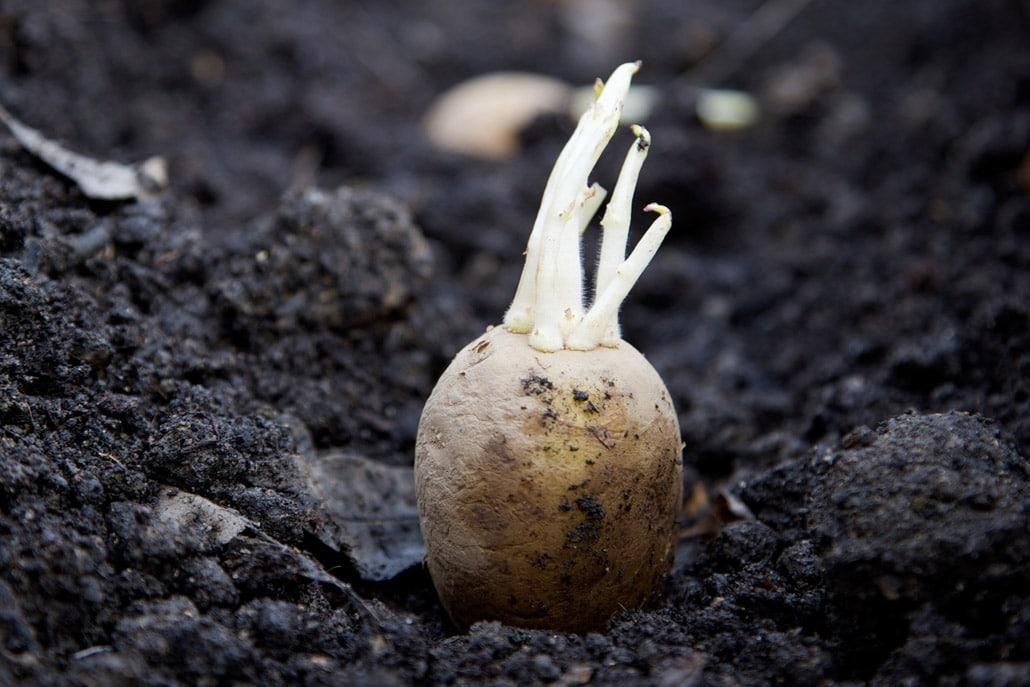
pixel 548 460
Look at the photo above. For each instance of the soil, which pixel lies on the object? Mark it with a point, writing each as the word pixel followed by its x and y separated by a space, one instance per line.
pixel 841 313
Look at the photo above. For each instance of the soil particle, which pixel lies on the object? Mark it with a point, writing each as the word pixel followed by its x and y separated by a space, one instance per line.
pixel 584 533
pixel 536 385
pixel 590 507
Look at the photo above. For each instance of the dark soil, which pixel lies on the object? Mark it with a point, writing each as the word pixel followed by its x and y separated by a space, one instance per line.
pixel 842 314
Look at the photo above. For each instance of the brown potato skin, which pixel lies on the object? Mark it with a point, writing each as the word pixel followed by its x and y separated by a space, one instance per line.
pixel 548 484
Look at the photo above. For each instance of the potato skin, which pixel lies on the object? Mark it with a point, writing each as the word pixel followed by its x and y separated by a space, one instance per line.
pixel 548 484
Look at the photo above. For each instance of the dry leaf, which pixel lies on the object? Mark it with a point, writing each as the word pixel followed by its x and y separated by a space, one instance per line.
pixel 713 513
pixel 103 180
pixel 373 505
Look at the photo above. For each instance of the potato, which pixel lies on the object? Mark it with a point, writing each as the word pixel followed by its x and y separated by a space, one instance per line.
pixel 548 485
pixel 547 462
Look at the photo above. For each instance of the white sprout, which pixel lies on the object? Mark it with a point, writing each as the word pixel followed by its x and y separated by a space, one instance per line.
pixel 548 303
pixel 616 224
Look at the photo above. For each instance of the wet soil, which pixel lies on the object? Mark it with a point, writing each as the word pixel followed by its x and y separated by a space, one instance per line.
pixel 841 313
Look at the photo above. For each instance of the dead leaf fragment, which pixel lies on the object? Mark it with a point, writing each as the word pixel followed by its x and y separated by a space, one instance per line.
pixel 180 510
pixel 712 513
pixel 103 180
pixel 373 505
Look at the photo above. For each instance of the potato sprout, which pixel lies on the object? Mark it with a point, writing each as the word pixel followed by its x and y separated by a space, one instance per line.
pixel 548 302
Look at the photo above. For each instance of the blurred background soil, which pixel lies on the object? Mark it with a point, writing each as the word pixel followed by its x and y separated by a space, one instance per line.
pixel 207 418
